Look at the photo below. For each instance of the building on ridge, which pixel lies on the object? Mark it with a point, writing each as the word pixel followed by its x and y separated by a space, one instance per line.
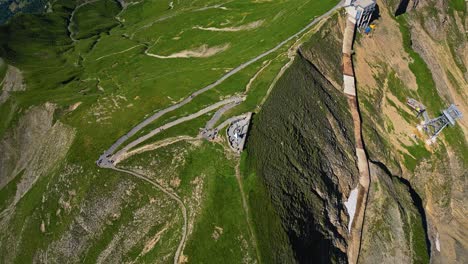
pixel 360 11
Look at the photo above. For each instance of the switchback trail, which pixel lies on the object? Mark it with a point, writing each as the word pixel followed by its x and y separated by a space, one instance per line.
pixel 105 162
pixel 153 132
pixel 158 114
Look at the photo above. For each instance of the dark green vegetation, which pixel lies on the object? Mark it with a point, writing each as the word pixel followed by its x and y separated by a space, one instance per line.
pixel 95 18
pixel 3 69
pixel 9 8
pixel 117 85
pixel 268 226
pixel 302 123
pixel 323 49
pixel 458 5
pixel 418 153
pixel 415 224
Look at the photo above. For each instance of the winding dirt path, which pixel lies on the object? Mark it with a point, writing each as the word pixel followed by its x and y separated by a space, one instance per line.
pixel 119 52
pixel 158 114
pixel 247 211
pixel 70 20
pixel 104 160
pixel 173 196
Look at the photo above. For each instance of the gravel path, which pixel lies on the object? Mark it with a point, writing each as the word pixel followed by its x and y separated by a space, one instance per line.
pixel 158 130
pixel 158 114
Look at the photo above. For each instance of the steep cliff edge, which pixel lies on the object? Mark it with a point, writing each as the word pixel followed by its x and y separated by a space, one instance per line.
pixel 302 150
pixel 398 226
pixel 395 226
pixel 302 144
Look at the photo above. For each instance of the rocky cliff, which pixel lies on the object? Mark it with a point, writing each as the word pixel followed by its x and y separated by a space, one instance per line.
pixel 422 59
pixel 408 180
pixel 303 146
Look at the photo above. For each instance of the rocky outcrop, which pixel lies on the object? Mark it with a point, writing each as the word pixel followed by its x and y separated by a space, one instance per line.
pixel 395 227
pixel 12 82
pixel 435 174
pixel 33 148
pixel 400 7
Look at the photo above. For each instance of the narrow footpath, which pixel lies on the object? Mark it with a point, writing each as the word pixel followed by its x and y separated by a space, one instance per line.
pixel 349 83
pixel 172 196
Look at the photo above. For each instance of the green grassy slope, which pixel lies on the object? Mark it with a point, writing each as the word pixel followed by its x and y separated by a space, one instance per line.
pixel 117 85
pixel 95 18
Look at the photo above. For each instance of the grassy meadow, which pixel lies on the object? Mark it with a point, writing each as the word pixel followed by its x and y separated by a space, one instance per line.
pixel 97 59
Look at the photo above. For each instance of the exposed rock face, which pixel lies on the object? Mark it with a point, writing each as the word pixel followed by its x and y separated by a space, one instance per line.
pixel 12 82
pixel 393 228
pixel 399 7
pixel 437 175
pixel 29 151
pixel 34 147
pixel 323 50
pixel 303 145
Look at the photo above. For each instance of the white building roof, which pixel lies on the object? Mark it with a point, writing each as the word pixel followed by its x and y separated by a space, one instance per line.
pixel 351 10
pixel 364 3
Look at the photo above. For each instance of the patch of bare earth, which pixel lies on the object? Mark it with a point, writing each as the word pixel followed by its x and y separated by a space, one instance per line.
pixel 249 26
pixel 166 173
pixel 35 146
pixel 383 46
pixel 217 232
pixel 12 82
pixel 376 54
pixel 102 111
pixel 202 51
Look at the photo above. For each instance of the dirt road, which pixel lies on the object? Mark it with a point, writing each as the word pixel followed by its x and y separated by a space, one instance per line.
pixel 158 130
pixel 158 114
pixel 105 162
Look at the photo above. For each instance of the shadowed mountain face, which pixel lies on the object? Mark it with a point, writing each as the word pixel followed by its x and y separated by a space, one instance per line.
pixel 402 7
pixel 303 150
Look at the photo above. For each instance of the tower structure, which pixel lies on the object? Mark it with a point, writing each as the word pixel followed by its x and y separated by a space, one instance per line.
pixel 434 126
